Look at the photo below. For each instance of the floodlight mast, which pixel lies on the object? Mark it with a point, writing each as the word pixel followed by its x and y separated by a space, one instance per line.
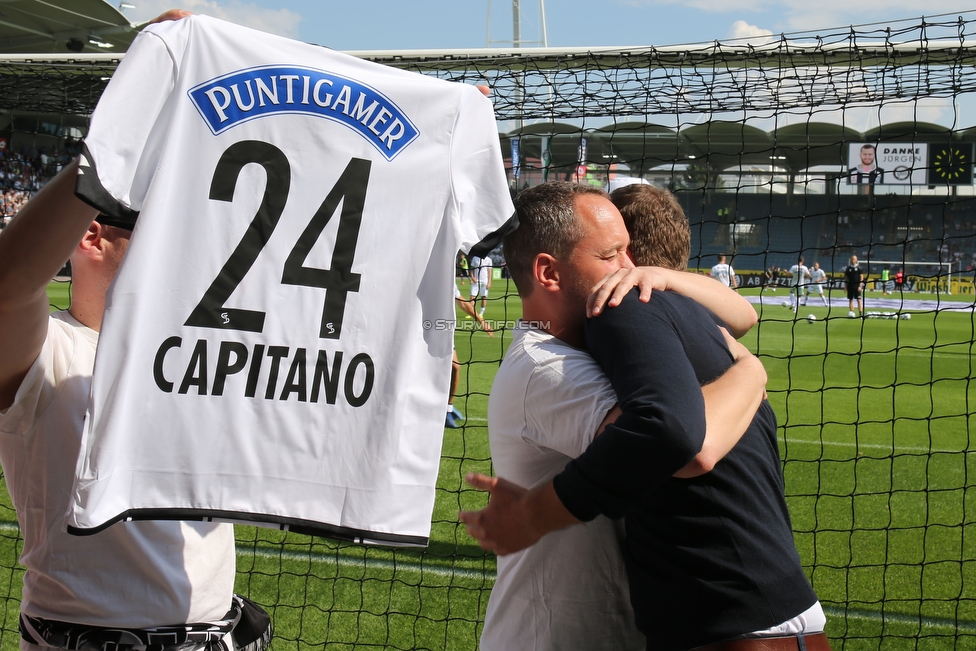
pixel 517 25
pixel 542 18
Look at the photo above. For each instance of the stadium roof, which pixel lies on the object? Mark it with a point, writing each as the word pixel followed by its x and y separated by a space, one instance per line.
pixel 63 26
pixel 53 61
pixel 724 145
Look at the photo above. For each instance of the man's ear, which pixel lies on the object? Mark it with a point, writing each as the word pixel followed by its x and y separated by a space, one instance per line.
pixel 92 244
pixel 545 272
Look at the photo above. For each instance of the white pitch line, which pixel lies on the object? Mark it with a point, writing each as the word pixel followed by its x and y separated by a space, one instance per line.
pixel 877 446
pixel 925 624
pixel 428 567
pixel 436 568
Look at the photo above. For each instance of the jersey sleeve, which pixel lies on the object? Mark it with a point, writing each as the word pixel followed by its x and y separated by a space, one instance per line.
pixel 118 159
pixel 481 197
pixel 662 426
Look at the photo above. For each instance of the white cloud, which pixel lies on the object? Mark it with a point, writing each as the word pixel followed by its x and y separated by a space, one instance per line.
pixel 803 15
pixel 743 30
pixel 283 22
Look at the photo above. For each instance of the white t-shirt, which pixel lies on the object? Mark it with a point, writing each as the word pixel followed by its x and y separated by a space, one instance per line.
pixel 569 590
pixel 723 273
pixel 818 276
pixel 252 337
pixel 133 574
pixel 798 275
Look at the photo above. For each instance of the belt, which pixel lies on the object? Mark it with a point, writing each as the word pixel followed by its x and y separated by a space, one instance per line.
pixel 808 642
pixel 245 627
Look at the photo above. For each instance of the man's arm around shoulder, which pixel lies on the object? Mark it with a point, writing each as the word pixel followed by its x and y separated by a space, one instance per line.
pixel 662 425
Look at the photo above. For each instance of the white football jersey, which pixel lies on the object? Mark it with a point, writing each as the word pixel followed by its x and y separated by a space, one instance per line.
pixel 798 275
pixel 482 269
pixel 723 273
pixel 818 276
pixel 256 363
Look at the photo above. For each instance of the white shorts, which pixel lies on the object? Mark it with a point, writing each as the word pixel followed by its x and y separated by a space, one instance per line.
pixel 815 287
pixel 479 290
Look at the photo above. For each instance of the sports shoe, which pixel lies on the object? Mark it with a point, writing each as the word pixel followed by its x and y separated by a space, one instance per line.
pixel 457 413
pixel 451 422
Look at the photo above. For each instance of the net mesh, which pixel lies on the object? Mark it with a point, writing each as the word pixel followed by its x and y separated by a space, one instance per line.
pixel 758 141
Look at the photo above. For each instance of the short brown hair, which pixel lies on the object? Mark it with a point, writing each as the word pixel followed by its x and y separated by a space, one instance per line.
pixel 659 231
pixel 547 224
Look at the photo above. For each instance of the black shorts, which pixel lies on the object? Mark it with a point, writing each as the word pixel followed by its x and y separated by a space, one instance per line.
pixel 853 292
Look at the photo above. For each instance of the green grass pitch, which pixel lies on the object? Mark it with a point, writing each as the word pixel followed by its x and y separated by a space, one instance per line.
pixel 874 419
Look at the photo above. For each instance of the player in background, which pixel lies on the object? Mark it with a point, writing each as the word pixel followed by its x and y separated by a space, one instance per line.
pixel 854 283
pixel 454 414
pixel 799 274
pixel 900 280
pixel 818 278
pixel 885 278
pixel 138 578
pixel 772 276
pixel 480 273
pixel 724 273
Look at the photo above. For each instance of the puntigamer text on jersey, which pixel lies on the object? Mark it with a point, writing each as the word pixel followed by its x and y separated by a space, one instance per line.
pixel 256 92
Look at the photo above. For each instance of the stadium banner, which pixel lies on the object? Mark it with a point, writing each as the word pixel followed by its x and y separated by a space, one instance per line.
pixel 516 158
pixel 963 285
pixel 546 158
pixel 581 159
pixel 757 279
pixel 887 163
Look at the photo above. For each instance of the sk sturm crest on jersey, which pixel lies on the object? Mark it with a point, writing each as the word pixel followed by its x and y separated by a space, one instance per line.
pixel 260 358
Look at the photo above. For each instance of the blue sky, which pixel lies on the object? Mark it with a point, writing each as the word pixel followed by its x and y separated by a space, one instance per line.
pixel 434 24
pixel 463 24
